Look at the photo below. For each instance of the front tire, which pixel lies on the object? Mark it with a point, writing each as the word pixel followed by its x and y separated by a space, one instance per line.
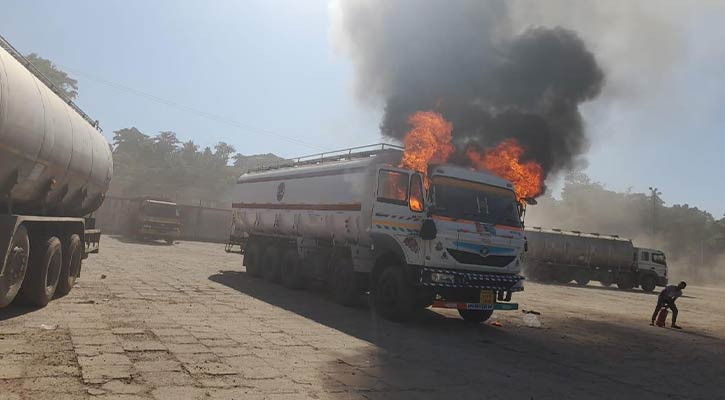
pixel 72 258
pixel 393 297
pixel 648 283
pixel 475 316
pixel 16 266
pixel 46 261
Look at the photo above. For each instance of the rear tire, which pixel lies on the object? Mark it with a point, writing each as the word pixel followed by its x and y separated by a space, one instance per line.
pixel 46 261
pixel 582 278
pixel 72 259
pixel 271 264
pixel 252 258
pixel 625 282
pixel 393 297
pixel 475 316
pixel 648 283
pixel 345 287
pixel 293 276
pixel 16 266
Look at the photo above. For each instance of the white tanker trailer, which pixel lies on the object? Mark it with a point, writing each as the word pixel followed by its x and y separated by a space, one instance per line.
pixel 356 221
pixel 55 168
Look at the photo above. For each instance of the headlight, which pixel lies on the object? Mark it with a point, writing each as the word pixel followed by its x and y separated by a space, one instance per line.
pixel 443 278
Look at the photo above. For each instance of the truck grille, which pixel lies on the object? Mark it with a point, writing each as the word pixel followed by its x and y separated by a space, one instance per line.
pixel 466 257
pixel 470 279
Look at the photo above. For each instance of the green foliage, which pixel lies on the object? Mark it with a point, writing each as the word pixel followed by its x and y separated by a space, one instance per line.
pixel 164 166
pixel 65 83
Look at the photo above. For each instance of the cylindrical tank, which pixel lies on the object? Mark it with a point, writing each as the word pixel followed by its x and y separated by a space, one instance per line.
pixel 328 201
pixel 576 249
pixel 52 160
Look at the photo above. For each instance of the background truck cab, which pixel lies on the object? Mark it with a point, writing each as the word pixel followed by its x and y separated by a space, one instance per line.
pixel 154 218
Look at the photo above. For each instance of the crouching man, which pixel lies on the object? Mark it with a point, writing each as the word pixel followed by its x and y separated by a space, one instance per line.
pixel 667 298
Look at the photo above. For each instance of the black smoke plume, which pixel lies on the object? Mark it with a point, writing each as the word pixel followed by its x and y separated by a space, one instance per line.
pixel 461 58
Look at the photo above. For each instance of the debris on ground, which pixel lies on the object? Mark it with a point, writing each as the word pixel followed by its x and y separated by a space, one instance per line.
pixel 531 321
pixel 49 327
pixel 103 276
pixel 531 312
pixel 496 323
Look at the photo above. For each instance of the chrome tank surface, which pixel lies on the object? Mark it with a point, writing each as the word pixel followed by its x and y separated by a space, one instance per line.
pixel 52 160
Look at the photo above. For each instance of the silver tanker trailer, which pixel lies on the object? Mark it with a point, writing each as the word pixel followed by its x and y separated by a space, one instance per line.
pixel 55 168
pixel 561 256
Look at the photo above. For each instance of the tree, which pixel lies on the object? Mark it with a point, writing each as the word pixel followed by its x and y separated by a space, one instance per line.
pixel 67 85
pixel 223 151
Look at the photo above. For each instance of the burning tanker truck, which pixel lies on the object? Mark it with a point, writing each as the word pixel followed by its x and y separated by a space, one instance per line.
pixel 55 168
pixel 362 220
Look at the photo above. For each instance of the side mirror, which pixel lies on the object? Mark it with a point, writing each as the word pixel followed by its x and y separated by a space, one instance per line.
pixel 428 231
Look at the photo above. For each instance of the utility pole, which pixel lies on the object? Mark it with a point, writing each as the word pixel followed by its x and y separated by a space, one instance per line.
pixel 654 192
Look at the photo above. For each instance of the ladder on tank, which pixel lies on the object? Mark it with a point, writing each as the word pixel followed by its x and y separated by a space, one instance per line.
pixel 334 155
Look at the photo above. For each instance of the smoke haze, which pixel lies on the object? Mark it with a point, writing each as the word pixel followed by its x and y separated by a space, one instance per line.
pixel 466 60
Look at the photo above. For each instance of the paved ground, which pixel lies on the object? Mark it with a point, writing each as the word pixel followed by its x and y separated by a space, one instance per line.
pixel 185 322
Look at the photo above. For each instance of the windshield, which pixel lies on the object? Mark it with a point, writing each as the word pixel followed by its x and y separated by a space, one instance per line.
pixel 160 210
pixel 474 201
pixel 659 258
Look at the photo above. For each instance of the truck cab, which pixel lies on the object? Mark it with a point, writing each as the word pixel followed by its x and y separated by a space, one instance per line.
pixel 651 267
pixel 462 236
pixel 155 219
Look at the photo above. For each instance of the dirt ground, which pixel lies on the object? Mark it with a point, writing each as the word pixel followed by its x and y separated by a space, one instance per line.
pixel 151 321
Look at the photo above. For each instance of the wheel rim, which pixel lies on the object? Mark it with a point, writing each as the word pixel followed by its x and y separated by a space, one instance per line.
pixel 54 265
pixel 16 266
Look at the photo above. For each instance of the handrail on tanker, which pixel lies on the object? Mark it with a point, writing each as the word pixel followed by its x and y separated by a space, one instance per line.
pixel 33 70
pixel 333 155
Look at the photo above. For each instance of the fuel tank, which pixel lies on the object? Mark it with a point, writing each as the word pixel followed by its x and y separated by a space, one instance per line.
pixel 53 161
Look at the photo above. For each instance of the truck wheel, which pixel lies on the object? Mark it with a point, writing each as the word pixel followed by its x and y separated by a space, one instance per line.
pixel 582 278
pixel 271 264
pixel 648 283
pixel 46 261
pixel 252 259
pixel 563 277
pixel 293 276
pixel 475 316
pixel 393 297
pixel 606 282
pixel 344 285
pixel 16 264
pixel 72 256
pixel 625 282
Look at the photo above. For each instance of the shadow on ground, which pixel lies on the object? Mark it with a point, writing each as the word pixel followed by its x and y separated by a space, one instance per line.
pixel 575 357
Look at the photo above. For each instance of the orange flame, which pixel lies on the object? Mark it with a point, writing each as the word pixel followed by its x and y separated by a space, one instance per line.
pixel 428 142
pixel 505 161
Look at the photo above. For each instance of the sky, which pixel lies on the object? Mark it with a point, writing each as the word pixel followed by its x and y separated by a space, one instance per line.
pixel 272 71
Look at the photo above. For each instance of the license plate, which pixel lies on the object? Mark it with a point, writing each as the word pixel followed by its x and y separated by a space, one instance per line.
pixel 487 297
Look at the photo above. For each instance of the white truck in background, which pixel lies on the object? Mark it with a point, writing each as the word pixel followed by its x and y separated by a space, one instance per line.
pixel 357 222
pixel 561 256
